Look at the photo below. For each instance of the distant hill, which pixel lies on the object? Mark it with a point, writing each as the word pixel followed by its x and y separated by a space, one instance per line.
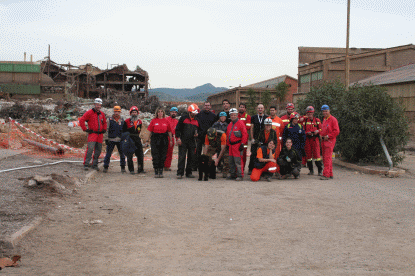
pixel 199 93
pixel 164 97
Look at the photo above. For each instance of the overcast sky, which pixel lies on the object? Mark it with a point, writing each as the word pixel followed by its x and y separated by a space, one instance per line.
pixel 185 44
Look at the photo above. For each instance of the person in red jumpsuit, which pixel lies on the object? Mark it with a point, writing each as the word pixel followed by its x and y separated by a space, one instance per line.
pixel 97 126
pixel 173 123
pixel 286 118
pixel 329 131
pixel 312 128
pixel 246 119
pixel 236 139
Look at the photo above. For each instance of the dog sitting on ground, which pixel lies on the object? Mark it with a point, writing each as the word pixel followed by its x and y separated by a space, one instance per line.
pixel 206 167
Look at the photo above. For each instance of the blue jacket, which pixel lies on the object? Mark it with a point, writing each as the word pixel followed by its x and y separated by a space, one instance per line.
pixel 297 135
pixel 115 129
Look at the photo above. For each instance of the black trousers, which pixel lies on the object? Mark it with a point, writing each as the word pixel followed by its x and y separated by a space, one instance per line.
pixel 188 149
pixel 199 148
pixel 140 158
pixel 159 145
pixel 254 148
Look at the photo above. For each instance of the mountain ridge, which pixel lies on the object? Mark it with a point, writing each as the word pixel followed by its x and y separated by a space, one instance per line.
pixel 199 93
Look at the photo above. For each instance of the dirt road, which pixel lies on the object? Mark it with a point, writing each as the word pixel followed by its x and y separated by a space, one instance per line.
pixel 353 225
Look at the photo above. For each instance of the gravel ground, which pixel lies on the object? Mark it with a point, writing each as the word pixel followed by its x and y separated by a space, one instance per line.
pixel 20 205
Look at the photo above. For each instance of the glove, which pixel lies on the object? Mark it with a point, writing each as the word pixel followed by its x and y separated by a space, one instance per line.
pixel 89 131
pixel 253 141
pixel 241 147
pixel 288 159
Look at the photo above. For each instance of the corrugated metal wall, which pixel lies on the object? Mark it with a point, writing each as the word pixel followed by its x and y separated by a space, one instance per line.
pixel 20 89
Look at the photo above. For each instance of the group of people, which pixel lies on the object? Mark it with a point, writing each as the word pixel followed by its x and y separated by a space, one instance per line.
pixel 279 146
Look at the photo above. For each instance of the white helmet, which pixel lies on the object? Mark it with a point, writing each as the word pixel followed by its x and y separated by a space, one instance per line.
pixel 233 110
pixel 267 121
pixel 98 101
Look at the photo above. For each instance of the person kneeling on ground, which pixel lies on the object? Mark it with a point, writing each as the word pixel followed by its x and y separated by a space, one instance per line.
pixel 265 162
pixel 115 125
pixel 215 143
pixel 289 160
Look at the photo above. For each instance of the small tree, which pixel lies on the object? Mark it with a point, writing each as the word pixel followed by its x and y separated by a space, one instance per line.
pixel 251 104
pixel 282 90
pixel 266 99
pixel 364 113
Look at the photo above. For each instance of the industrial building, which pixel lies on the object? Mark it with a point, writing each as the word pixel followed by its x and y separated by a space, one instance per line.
pixel 317 65
pixel 239 94
pixel 400 84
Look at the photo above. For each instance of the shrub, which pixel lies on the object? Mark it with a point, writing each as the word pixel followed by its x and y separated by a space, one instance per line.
pixel 364 113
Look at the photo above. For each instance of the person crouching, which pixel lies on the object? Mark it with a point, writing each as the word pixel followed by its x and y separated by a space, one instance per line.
pixel 289 160
pixel 116 122
pixel 265 162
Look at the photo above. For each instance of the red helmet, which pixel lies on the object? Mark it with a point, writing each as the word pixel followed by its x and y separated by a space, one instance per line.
pixel 193 108
pixel 289 105
pixel 309 109
pixel 134 108
pixel 294 115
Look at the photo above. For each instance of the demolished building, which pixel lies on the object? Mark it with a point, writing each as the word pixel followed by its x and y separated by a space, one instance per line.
pixel 85 81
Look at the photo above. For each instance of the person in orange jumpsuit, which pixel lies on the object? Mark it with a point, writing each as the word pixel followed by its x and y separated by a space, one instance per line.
pixel 312 128
pixel 277 125
pixel 286 118
pixel 173 123
pixel 246 119
pixel 329 131
pixel 266 162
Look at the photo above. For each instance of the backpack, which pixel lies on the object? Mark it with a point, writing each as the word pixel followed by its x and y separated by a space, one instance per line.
pixel 127 144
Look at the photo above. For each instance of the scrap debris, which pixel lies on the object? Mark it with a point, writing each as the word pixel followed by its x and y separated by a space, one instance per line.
pixel 9 262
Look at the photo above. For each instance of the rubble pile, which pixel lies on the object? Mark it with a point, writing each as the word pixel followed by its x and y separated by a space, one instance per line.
pixel 54 183
pixel 53 119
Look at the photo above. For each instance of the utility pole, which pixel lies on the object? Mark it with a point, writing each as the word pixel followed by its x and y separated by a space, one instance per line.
pixel 347 60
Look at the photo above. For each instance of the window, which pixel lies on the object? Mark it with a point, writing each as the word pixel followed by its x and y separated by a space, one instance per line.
pixel 305 78
pixel 317 76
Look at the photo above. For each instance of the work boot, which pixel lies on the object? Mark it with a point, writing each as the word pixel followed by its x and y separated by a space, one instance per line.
pixel 239 178
pixel 161 173
pixel 319 168
pixel 310 167
pixel 105 170
pixel 95 168
pixel 156 173
pixel 224 175
pixel 324 178
pixel 123 170
pixel 86 167
pixel 167 169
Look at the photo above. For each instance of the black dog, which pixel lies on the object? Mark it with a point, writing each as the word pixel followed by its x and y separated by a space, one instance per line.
pixel 207 167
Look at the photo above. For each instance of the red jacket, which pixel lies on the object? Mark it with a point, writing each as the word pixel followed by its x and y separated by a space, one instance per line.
pixel 96 122
pixel 234 142
pixel 246 119
pixel 285 119
pixel 330 127
pixel 311 126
